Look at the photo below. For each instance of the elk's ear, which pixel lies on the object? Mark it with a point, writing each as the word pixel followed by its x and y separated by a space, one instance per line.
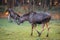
pixel 5 12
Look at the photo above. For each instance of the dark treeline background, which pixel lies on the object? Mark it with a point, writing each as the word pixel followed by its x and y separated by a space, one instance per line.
pixel 24 6
pixel 42 3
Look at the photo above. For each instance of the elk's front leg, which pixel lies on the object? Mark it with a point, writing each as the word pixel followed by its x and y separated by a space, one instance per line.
pixel 9 18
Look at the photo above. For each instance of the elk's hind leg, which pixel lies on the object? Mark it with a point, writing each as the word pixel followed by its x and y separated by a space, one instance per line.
pixel 42 29
pixel 47 29
pixel 39 33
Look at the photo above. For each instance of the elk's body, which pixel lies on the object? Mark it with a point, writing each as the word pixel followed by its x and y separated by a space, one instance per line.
pixel 36 18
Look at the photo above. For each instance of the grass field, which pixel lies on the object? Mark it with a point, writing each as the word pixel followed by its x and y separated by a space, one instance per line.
pixel 12 31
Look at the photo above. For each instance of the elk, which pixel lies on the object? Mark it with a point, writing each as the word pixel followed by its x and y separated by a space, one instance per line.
pixel 35 18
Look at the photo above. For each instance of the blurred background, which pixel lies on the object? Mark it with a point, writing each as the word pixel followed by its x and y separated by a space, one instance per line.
pixel 24 6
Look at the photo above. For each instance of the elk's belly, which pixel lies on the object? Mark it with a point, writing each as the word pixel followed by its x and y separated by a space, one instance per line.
pixel 38 22
pixel 42 21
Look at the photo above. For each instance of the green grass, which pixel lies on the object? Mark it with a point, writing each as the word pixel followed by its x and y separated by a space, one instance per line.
pixel 12 31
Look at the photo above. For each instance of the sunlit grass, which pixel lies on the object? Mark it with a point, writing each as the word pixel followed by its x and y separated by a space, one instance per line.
pixel 12 31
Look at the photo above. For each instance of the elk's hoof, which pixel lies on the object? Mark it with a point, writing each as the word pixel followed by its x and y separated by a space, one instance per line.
pixel 39 34
pixel 31 34
pixel 47 35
